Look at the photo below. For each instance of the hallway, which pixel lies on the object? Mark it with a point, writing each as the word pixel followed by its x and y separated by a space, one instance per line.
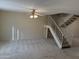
pixel 35 49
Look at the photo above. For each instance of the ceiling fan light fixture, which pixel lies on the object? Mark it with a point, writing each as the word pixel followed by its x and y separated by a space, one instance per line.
pixel 33 15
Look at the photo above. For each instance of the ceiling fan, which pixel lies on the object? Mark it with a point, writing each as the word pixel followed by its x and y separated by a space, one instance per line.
pixel 34 13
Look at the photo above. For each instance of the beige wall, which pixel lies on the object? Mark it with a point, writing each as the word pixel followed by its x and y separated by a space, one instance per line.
pixel 28 28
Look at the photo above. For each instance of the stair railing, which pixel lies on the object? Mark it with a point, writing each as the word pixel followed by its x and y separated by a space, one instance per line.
pixel 56 28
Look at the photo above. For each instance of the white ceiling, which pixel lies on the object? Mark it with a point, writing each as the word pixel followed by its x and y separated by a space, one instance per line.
pixel 44 6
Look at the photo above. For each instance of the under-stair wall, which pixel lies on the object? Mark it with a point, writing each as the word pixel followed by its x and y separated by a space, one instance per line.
pixel 60 18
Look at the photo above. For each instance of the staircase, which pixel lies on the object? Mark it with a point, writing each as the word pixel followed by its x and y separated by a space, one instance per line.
pixel 69 21
pixel 57 33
